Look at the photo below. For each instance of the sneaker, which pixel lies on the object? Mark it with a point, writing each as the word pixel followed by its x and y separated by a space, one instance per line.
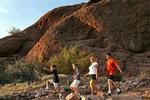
pixel 60 96
pixel 47 88
pixel 109 94
pixel 118 91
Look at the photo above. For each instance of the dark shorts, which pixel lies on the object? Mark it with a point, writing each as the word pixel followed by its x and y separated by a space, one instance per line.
pixel 111 77
pixel 93 77
pixel 56 80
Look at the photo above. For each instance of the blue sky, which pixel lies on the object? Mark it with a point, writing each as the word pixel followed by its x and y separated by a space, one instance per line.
pixel 23 13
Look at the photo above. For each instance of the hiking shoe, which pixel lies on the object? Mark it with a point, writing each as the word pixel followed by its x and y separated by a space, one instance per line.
pixel 60 96
pixel 47 88
pixel 108 94
pixel 118 91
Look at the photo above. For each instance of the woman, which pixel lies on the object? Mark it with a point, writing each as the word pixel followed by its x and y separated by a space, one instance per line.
pixel 93 73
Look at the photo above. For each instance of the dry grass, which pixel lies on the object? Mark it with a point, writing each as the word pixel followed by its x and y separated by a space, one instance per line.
pixel 9 89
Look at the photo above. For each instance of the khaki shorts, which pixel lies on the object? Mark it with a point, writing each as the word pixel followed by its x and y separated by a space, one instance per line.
pixel 75 83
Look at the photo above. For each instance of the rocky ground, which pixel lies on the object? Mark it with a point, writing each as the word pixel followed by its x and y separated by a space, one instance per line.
pixel 132 89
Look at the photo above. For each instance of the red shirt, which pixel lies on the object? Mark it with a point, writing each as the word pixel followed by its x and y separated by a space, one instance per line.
pixel 111 65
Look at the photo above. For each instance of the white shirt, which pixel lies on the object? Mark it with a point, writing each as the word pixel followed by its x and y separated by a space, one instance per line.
pixel 92 68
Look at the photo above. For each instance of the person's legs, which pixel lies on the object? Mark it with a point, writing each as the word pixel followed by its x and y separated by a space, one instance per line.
pixel 116 87
pixel 92 86
pixel 76 90
pixel 111 82
pixel 109 86
pixel 72 89
pixel 47 84
pixel 56 87
pixel 74 86
pixel 114 84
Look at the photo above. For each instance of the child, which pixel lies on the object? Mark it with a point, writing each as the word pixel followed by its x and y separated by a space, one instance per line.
pixel 76 82
pixel 55 80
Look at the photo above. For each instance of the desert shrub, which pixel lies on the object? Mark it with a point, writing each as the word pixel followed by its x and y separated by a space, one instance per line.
pixel 67 57
pixel 131 2
pixel 142 76
pixel 21 72
pixel 14 31
pixel 2 68
pixel 118 76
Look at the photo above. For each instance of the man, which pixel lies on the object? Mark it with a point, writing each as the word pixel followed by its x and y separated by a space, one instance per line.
pixel 111 66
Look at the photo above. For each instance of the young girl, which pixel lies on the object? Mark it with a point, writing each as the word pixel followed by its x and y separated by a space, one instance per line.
pixel 93 73
pixel 76 82
pixel 55 80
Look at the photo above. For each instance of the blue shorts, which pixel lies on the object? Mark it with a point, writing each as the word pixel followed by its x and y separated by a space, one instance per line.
pixel 111 77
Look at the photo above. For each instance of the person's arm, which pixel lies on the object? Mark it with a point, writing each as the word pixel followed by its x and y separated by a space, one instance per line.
pixel 76 73
pixel 118 67
pixel 46 70
pixel 97 71
pixel 85 75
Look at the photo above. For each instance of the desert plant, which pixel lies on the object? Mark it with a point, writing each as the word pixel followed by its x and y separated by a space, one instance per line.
pixel 21 72
pixel 14 30
pixel 142 76
pixel 2 68
pixel 118 76
pixel 131 2
pixel 67 57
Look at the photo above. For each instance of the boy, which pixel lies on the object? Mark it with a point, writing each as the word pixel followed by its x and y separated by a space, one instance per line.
pixel 55 80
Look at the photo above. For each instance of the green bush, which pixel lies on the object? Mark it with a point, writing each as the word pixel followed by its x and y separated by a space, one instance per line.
pixel 2 68
pixel 142 76
pixel 131 2
pixel 21 72
pixel 14 31
pixel 118 76
pixel 67 57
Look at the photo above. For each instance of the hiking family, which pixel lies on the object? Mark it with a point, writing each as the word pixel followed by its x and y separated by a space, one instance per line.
pixel 111 66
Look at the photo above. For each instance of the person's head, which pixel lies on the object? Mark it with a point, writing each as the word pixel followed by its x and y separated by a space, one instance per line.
pixel 92 59
pixel 53 67
pixel 108 55
pixel 74 66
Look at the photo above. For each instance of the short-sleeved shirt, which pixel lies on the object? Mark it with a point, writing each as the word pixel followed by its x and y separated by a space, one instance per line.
pixel 55 76
pixel 111 65
pixel 93 68
pixel 77 74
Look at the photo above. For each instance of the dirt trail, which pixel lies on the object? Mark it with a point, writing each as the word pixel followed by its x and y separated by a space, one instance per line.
pixel 124 96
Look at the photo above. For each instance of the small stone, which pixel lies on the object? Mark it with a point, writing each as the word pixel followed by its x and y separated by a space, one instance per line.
pixel 23 94
pixel 146 95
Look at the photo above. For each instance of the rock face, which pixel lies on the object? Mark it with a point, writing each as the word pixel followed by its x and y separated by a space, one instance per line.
pixel 20 44
pixel 119 26
pixel 103 25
